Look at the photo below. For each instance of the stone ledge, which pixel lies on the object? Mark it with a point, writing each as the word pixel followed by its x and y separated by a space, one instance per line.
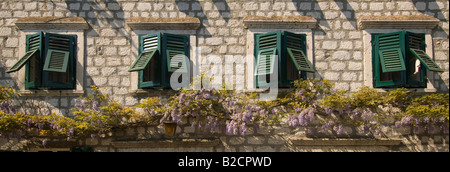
pixel 280 22
pixel 346 142
pixel 58 23
pixel 398 22
pixel 46 93
pixel 152 92
pixel 163 23
pixel 185 143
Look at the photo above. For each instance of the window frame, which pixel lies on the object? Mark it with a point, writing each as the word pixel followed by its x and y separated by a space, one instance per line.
pixel 251 58
pixel 78 69
pixel 135 77
pixel 369 53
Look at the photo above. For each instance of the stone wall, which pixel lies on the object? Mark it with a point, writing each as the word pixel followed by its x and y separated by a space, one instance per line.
pixel 278 138
pixel 338 49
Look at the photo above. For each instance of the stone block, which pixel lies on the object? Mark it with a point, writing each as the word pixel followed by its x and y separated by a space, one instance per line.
pixel 434 5
pixel 321 65
pixel 330 45
pixel 144 6
pixel 355 65
pixel 12 42
pixel 265 149
pixel 346 45
pixel 5 31
pixel 337 65
pixel 214 41
pixel 256 140
pixel 332 76
pixel 405 6
pixel 236 140
pixel 250 6
pixel 376 6
pixel 341 55
pixel 349 76
pixel 108 71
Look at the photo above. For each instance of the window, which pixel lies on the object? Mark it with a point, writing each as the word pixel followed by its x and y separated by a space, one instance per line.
pixel 160 55
pixel 50 61
pixel 400 60
pixel 290 48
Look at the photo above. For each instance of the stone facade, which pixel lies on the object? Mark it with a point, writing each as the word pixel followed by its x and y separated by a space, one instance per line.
pixel 109 50
pixel 278 138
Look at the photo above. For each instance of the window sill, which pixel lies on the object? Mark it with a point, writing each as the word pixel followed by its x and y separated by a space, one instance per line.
pixel 47 93
pixel 346 142
pixel 417 91
pixel 166 143
pixel 152 92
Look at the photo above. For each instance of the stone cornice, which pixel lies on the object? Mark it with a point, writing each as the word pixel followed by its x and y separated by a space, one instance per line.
pixel 280 22
pixel 398 22
pixel 55 23
pixel 165 23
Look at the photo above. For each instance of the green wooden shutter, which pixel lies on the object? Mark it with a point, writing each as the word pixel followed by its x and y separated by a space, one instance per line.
pixel 59 50
pixel 150 52
pixel 19 64
pixel 59 69
pixel 388 60
pixel 265 61
pixel 56 61
pixel 174 47
pixel 426 60
pixel 33 47
pixel 267 47
pixel 177 47
pixel 390 52
pixel 176 61
pixel 143 60
pixel 300 60
pixel 295 45
pixel 392 60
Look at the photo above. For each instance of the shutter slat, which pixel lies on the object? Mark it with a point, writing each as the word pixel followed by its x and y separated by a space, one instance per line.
pixel 426 60
pixel 390 52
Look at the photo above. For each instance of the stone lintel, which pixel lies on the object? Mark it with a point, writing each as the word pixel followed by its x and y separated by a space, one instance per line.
pixel 281 22
pixel 55 23
pixel 163 23
pixel 398 22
